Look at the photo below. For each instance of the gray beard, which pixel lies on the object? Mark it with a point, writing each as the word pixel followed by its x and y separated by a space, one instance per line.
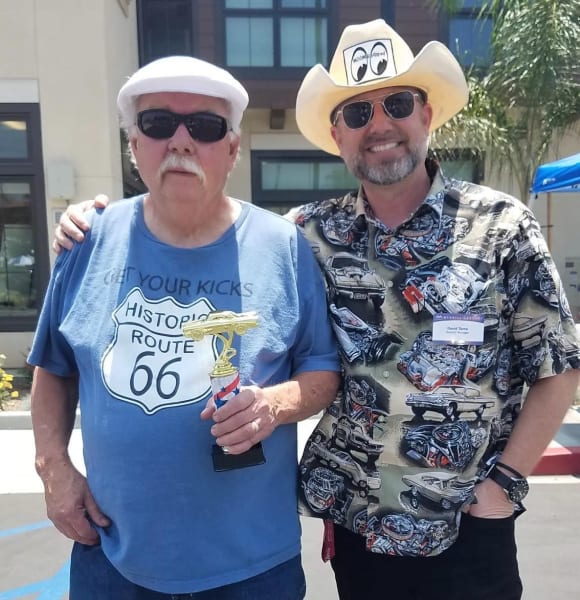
pixel 386 173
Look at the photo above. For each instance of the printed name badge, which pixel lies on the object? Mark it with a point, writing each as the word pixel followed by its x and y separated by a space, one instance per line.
pixel 458 329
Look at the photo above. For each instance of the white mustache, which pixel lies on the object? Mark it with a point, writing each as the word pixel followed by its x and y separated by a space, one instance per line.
pixel 183 163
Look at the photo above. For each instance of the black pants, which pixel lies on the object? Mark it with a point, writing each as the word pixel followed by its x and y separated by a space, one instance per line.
pixel 481 565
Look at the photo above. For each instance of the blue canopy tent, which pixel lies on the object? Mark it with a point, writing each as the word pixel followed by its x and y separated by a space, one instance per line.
pixel 560 176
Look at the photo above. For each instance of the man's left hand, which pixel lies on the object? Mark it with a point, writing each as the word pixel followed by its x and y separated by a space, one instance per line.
pixel 243 421
pixel 492 502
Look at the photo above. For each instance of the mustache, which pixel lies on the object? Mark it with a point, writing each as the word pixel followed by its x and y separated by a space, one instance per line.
pixel 183 163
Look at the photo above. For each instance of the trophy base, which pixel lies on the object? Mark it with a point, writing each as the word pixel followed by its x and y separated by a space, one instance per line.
pixel 228 462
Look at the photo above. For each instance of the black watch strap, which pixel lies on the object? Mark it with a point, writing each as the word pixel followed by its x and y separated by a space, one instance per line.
pixel 503 480
pixel 509 469
pixel 515 486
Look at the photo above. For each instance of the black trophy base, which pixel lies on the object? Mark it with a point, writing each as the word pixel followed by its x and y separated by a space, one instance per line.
pixel 222 461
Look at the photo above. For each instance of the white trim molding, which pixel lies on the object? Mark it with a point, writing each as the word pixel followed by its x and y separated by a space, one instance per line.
pixel 19 90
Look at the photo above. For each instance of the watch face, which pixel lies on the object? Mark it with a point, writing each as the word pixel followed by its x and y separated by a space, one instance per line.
pixel 518 490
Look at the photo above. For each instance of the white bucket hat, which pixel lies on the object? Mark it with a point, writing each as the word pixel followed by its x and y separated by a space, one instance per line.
pixel 182 74
pixel 369 57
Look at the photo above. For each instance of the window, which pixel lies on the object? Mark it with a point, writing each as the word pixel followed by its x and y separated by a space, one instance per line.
pixel 17 289
pixel 13 139
pixel 165 29
pixel 470 35
pixel 463 164
pixel 274 34
pixel 132 183
pixel 283 179
pixel 24 264
pixel 388 11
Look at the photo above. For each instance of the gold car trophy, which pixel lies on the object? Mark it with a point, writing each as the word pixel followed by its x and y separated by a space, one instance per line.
pixel 225 378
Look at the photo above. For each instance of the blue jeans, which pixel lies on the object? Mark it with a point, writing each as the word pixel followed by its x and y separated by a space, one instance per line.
pixel 93 577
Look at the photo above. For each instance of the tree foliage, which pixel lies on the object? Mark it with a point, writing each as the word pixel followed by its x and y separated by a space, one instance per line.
pixel 530 94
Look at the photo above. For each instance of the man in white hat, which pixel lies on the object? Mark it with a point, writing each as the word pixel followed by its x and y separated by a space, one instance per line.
pixel 446 303
pixel 153 519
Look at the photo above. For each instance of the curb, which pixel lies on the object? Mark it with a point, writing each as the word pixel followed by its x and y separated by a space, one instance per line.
pixel 562 456
pixel 559 460
pixel 15 419
pixel 21 420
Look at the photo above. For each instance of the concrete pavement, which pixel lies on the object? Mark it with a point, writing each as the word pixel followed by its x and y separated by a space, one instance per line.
pixel 34 556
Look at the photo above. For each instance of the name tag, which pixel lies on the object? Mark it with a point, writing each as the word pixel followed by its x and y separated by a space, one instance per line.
pixel 458 329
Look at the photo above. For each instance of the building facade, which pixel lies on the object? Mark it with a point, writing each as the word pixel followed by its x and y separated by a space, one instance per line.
pixel 62 63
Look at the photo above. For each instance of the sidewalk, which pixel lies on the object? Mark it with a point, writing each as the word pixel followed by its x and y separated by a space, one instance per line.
pixel 562 457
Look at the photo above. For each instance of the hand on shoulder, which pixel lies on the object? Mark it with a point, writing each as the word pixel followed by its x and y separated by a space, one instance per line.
pixel 72 223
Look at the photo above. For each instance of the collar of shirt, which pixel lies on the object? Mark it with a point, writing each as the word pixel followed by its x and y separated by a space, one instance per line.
pixel 433 201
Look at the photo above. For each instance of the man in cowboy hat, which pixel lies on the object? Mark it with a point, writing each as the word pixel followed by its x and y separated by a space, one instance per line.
pixel 453 306
pixel 154 519
pixel 446 303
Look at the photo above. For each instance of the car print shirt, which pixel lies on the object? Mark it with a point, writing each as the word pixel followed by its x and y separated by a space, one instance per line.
pixel 418 419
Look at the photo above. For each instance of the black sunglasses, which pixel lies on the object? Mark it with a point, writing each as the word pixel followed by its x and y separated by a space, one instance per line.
pixel 161 124
pixel 399 105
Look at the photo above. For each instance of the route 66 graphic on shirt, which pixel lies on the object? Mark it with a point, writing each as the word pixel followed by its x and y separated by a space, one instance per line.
pixel 149 361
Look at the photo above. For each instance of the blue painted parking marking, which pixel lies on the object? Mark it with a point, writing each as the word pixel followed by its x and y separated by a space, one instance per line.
pixel 25 529
pixel 53 588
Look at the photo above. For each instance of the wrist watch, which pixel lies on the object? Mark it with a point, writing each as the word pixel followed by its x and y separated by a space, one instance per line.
pixel 515 485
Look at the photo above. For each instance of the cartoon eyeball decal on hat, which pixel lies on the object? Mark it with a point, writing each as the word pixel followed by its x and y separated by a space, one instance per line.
pixel 379 59
pixel 358 64
pixel 369 60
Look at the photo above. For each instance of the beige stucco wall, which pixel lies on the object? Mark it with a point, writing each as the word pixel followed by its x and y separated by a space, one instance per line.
pixel 18 50
pixel 71 56
pixel 80 70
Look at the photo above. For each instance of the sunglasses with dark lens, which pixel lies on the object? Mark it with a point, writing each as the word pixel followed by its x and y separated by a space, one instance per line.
pixel 399 105
pixel 161 124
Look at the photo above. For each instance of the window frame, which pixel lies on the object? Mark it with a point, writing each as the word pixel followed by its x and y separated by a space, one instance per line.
pixel 389 11
pixel 471 13
pixel 31 171
pixel 10 112
pixel 456 154
pixel 265 198
pixel 141 27
pixel 277 12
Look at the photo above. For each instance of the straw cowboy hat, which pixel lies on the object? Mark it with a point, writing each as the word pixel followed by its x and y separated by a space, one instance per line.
pixel 371 56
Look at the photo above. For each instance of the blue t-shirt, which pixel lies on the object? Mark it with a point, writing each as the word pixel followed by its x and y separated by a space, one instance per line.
pixel 113 313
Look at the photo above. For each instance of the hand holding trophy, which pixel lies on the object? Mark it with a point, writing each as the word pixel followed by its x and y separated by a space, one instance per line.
pixel 225 378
